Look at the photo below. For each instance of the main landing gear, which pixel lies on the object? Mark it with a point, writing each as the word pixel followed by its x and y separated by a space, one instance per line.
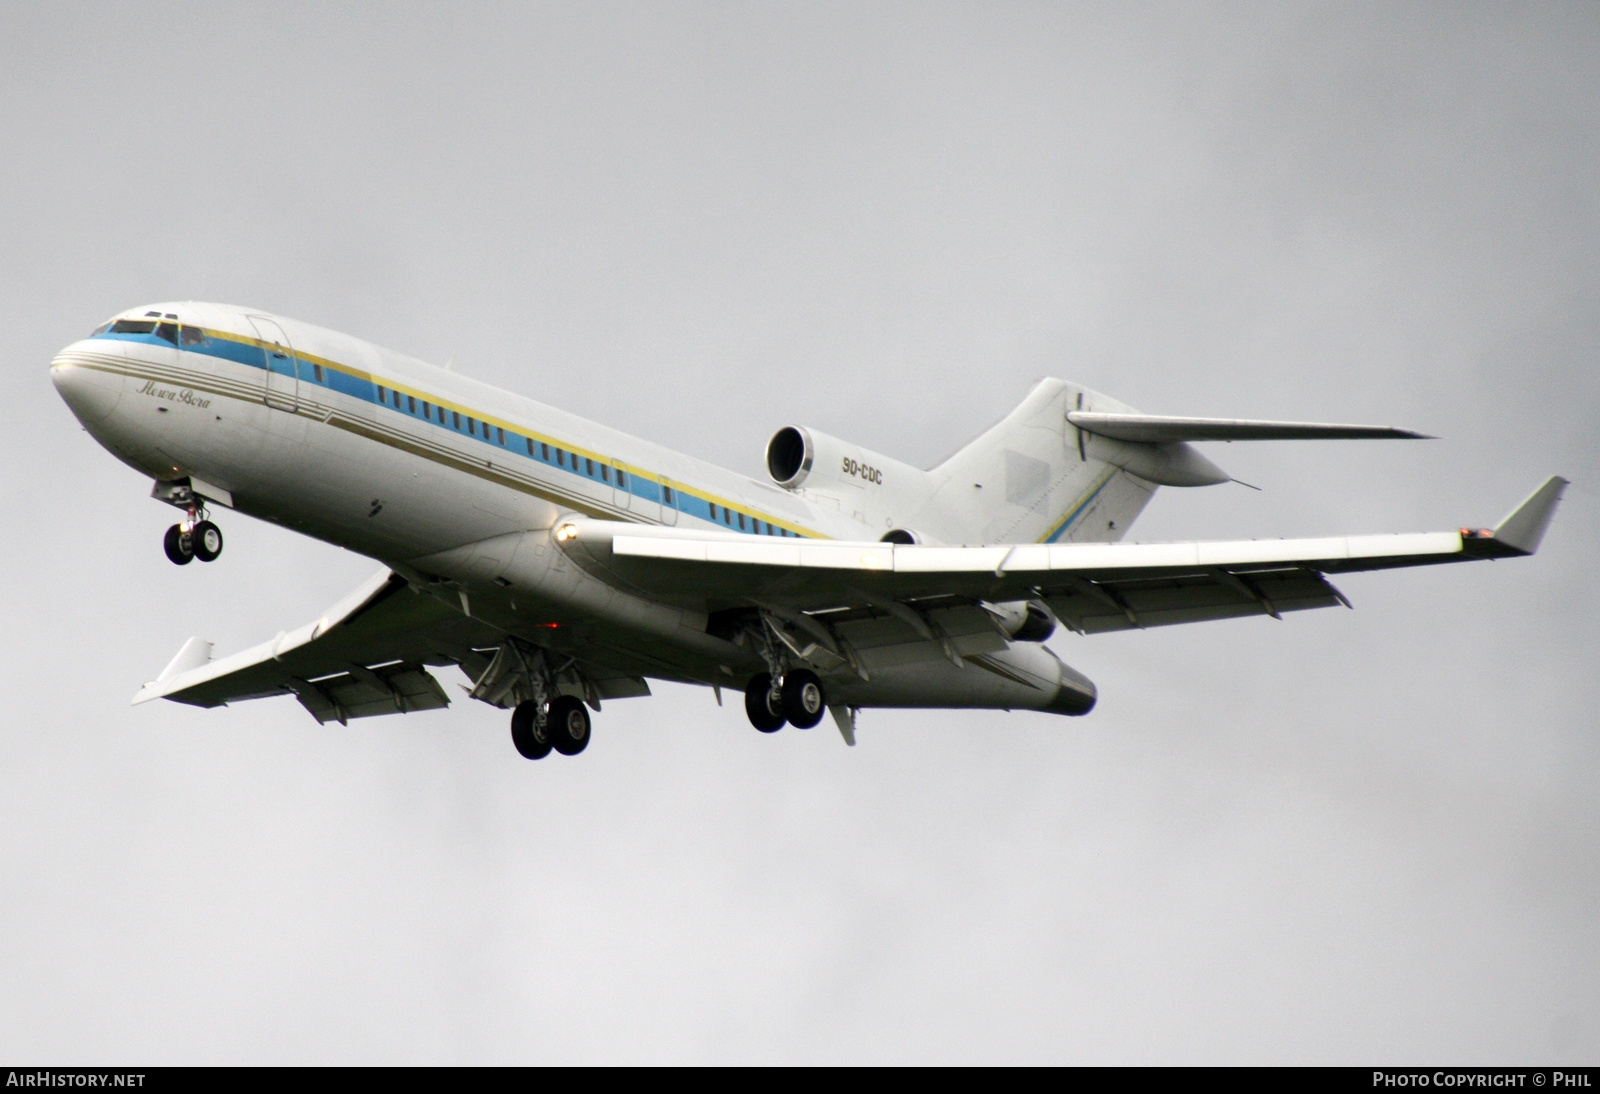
pixel 193 539
pixel 562 726
pixel 797 699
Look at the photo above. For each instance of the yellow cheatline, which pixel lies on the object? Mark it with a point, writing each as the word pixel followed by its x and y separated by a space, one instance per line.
pixel 520 431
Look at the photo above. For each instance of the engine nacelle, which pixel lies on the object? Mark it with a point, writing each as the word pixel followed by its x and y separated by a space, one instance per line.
pixel 875 488
pixel 798 456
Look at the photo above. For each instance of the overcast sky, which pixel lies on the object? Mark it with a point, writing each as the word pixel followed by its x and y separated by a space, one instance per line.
pixel 1348 837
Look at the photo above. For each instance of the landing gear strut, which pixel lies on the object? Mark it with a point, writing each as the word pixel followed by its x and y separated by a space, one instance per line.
pixel 543 721
pixel 782 693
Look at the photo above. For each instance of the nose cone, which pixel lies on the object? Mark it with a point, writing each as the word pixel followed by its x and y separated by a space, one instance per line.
pixel 92 392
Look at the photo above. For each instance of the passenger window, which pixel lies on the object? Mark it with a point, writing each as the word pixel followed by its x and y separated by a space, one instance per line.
pixel 544 450
pixel 605 472
pixel 713 510
pixel 561 457
pixel 455 419
pixel 499 435
pixel 741 522
pixel 472 426
pixel 622 477
pixel 666 495
pixel 132 326
pixel 167 332
pixel 412 399
pixel 316 370
pixel 589 464
pixel 193 336
pixel 427 411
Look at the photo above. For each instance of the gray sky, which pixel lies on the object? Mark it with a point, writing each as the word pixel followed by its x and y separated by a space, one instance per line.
pixel 1348 837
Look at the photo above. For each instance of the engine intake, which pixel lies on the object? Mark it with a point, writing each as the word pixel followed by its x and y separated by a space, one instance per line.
pixel 790 455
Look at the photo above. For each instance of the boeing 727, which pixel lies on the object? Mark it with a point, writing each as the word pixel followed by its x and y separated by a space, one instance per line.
pixel 560 563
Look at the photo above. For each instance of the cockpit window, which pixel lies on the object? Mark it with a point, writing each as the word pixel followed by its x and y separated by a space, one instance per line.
pixel 101 329
pixel 167 331
pixel 133 326
pixel 193 336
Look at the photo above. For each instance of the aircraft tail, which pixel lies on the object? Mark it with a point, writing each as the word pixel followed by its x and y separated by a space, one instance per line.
pixel 1070 465
pixel 1034 477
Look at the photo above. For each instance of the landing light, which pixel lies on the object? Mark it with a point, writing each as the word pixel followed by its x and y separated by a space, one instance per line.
pixel 566 532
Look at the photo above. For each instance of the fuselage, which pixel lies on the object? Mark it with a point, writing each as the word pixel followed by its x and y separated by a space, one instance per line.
pixel 455 484
pixel 242 399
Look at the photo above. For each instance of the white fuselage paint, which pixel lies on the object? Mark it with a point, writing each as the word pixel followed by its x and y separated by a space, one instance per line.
pixel 469 515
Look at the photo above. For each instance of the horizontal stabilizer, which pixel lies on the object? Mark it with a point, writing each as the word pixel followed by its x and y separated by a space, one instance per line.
pixel 1159 429
pixel 1523 528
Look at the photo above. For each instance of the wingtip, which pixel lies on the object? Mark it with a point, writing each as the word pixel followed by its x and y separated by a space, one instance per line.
pixel 1524 527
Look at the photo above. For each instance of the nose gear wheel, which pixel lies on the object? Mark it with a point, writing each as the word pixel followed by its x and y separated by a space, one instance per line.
pixel 206 539
pixel 194 538
pixel 179 545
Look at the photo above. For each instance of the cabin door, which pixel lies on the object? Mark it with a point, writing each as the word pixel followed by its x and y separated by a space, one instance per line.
pixel 621 487
pixel 669 502
pixel 281 388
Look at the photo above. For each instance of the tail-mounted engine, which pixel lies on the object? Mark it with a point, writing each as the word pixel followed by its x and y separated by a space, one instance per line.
pixel 875 488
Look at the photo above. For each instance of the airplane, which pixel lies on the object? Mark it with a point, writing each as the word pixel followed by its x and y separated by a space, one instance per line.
pixel 559 563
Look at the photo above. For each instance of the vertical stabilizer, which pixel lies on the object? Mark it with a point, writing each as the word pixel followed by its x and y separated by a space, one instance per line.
pixel 1033 477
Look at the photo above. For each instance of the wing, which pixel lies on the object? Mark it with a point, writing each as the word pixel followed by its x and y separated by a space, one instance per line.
pixel 367 655
pixel 1158 429
pixel 1091 586
pixel 370 654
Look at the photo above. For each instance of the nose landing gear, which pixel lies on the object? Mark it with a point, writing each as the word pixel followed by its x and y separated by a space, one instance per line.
pixel 193 539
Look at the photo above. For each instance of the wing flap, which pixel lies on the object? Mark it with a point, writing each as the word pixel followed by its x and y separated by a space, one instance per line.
pixel 1126 605
pixel 363 692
